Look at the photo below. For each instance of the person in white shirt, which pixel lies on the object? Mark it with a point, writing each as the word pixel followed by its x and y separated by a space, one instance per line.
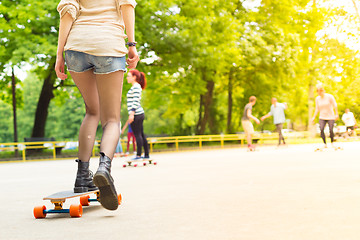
pixel 277 110
pixel 349 120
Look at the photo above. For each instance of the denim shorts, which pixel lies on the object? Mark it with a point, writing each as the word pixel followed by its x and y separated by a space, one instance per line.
pixel 81 62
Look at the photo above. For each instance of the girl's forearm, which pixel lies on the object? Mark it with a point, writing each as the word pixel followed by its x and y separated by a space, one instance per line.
pixel 315 113
pixel 64 28
pixel 128 13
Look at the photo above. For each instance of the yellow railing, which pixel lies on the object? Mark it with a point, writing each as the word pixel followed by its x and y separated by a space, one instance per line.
pixel 177 141
pixel 222 138
pixel 22 147
pixel 195 139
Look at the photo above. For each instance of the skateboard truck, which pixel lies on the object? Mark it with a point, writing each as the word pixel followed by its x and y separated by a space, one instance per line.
pixel 75 210
pixel 136 162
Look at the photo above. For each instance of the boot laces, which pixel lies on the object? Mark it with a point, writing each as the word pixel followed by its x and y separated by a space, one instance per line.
pixel 91 174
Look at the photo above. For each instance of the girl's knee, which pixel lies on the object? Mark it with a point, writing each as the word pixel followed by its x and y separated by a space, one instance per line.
pixel 93 115
pixel 93 111
pixel 113 123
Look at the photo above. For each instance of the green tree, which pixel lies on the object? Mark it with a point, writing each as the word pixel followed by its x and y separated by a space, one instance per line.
pixel 30 36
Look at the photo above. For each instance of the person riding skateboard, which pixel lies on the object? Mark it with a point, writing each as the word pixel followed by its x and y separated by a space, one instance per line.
pixel 277 111
pixel 246 123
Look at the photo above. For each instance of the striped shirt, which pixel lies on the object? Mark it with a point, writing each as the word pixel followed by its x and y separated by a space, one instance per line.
pixel 134 98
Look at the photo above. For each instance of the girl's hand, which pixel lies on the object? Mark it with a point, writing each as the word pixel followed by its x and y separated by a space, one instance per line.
pixel 133 58
pixel 131 118
pixel 60 67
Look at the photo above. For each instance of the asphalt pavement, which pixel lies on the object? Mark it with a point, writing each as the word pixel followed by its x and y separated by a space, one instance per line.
pixel 290 193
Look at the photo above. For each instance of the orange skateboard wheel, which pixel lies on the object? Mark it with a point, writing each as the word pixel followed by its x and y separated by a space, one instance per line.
pixel 119 198
pixel 75 210
pixel 84 200
pixel 39 212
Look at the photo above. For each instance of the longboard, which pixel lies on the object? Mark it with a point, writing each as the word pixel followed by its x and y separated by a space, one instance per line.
pixel 328 148
pixel 120 155
pixel 59 198
pixel 136 162
pixel 252 149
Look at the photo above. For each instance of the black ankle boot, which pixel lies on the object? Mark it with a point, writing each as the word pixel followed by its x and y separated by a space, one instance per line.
pixel 84 178
pixel 105 183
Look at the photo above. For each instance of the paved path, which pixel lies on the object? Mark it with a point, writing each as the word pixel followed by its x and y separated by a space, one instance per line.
pixel 286 194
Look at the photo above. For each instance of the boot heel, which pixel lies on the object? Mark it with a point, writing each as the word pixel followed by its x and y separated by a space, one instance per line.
pixel 103 180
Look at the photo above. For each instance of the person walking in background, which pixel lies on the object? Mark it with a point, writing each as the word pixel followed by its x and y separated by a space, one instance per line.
pixel 325 104
pixel 119 150
pixel 349 119
pixel 136 112
pixel 246 123
pixel 130 137
pixel 277 110
pixel 92 35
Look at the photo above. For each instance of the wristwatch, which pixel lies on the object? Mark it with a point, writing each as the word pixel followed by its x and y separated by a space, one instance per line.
pixel 131 44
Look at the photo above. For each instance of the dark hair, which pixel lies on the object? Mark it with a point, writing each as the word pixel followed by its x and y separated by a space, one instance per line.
pixel 140 77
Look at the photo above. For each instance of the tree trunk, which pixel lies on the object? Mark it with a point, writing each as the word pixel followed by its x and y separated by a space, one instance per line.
pixel 356 9
pixel 208 100
pixel 230 101
pixel 43 104
pixel 13 86
pixel 311 97
pixel 200 114
pixel 212 118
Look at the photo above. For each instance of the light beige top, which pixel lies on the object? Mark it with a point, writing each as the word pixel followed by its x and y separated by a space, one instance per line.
pixel 98 27
pixel 326 106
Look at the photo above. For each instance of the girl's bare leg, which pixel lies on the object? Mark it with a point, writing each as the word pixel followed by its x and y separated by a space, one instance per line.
pixel 109 87
pixel 86 83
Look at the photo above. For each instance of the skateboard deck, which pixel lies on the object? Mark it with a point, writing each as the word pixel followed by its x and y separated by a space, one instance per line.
pixel 142 161
pixel 75 210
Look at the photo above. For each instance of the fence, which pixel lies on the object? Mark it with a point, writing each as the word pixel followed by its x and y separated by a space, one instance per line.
pixel 222 139
pixel 24 148
pixel 175 143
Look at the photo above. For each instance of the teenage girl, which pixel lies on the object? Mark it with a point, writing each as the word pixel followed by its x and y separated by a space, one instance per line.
pixel 136 112
pixel 91 34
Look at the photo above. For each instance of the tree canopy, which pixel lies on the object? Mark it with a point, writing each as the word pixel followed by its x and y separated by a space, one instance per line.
pixel 203 60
